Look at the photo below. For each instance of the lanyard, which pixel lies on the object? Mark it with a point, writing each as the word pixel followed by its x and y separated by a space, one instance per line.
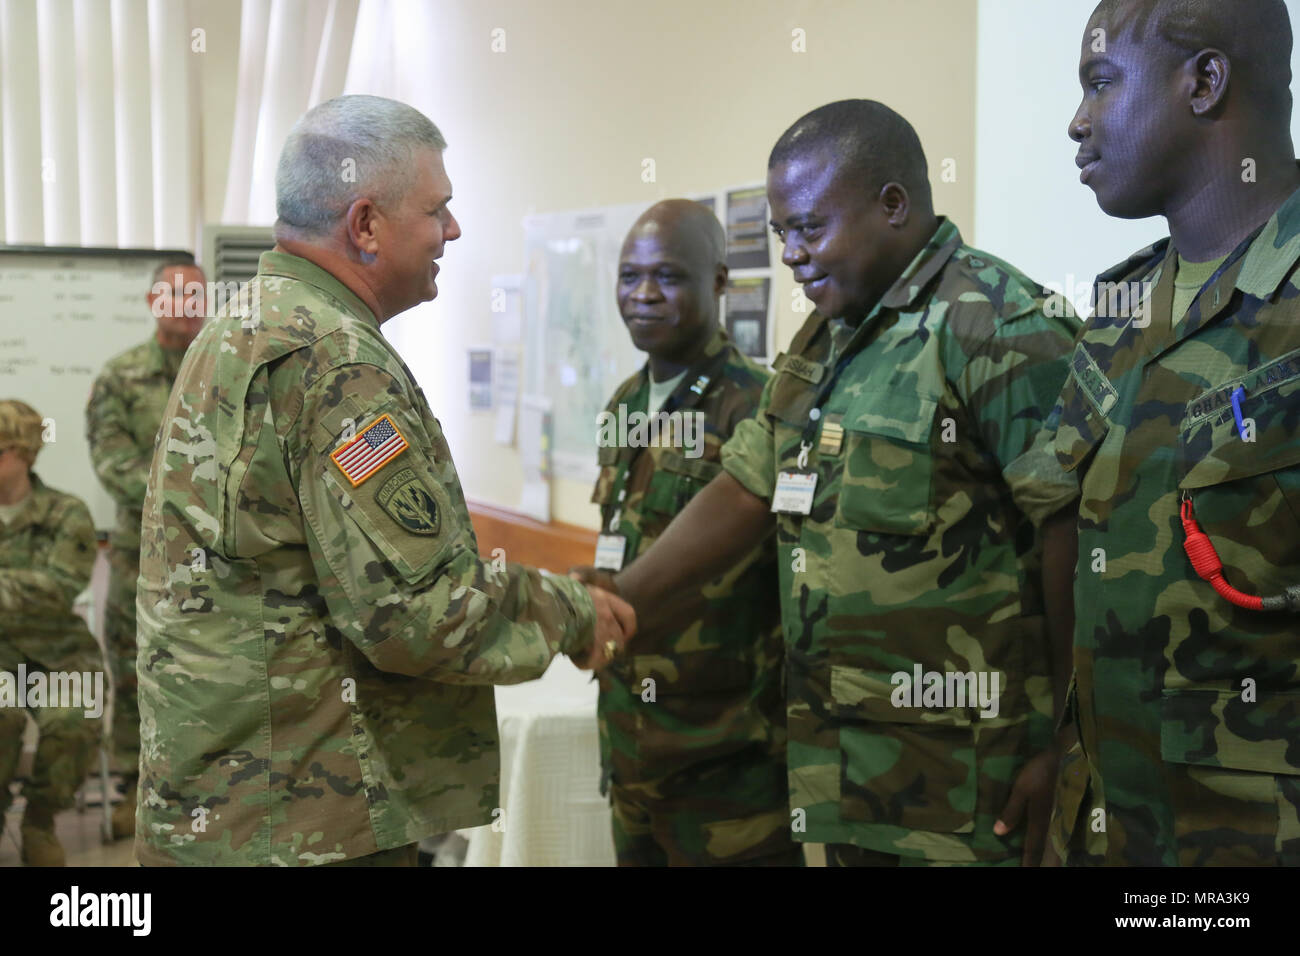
pixel 688 391
pixel 856 343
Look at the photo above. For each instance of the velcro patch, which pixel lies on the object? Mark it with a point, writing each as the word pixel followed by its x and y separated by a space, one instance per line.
pixel 407 501
pixel 373 447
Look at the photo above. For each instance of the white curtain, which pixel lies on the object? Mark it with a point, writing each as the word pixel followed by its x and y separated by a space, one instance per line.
pixel 101 109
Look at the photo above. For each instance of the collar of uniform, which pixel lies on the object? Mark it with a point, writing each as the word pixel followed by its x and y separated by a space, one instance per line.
pixel 1273 252
pixel 37 504
pixel 924 267
pixel 295 267
pixel 721 342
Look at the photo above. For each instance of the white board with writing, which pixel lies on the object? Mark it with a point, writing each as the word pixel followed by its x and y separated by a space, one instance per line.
pixel 63 314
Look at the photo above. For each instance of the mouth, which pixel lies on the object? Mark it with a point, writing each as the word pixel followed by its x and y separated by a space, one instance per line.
pixel 813 287
pixel 643 321
pixel 1087 165
pixel 433 270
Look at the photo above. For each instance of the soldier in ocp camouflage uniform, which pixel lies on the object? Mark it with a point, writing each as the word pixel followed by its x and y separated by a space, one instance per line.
pixel 318 634
pixel 897 438
pixel 695 757
pixel 47 550
pixel 1182 414
pixel 122 419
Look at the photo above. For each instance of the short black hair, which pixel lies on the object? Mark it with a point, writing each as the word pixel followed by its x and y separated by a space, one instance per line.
pixel 1255 34
pixel 868 139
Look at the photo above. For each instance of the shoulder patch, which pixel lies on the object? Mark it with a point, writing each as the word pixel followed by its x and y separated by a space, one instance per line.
pixel 407 501
pixel 371 449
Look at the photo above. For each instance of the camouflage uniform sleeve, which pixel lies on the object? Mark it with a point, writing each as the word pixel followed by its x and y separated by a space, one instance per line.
pixel 122 468
pixel 398 562
pixel 749 455
pixel 1010 385
pixel 62 564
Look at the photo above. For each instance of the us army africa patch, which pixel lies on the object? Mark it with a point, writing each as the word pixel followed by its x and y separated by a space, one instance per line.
pixel 407 501
pixel 373 447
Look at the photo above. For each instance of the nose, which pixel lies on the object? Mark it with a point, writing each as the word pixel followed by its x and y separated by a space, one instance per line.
pixel 451 231
pixel 793 253
pixel 647 290
pixel 1081 126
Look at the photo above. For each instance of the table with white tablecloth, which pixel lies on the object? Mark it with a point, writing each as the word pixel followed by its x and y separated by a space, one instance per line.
pixel 552 813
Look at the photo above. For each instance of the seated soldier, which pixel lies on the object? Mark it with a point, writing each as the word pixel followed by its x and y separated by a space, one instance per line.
pixel 47 550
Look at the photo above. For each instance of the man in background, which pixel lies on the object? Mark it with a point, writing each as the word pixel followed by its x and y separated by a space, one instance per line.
pixel 122 420
pixel 692 725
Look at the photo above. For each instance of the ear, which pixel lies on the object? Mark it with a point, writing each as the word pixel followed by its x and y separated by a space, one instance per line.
pixel 361 223
pixel 1209 72
pixel 896 203
pixel 720 279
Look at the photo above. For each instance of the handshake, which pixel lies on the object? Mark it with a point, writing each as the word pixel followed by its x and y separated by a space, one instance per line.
pixel 615 619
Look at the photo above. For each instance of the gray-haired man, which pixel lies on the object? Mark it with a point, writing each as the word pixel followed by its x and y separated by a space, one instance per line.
pixel 317 630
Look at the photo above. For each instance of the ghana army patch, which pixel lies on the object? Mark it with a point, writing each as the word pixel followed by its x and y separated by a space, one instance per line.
pixel 407 501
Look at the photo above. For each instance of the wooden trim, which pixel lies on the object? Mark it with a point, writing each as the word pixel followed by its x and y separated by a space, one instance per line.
pixel 555 546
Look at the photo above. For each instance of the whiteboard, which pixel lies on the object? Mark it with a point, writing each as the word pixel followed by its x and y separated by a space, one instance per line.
pixel 63 313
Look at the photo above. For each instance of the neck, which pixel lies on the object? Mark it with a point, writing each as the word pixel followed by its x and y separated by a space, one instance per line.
pixel 1221 210
pixel 664 367
pixel 340 267
pixel 16 490
pixel 172 341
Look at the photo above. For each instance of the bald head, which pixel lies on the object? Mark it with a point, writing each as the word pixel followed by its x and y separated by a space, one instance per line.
pixel 671 272
pixel 1255 35
pixel 867 141
pixel 689 227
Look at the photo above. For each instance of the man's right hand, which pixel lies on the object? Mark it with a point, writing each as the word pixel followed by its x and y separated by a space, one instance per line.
pixel 594 577
pixel 615 622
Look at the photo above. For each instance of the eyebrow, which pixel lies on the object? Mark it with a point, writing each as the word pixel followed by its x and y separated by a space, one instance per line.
pixel 1093 62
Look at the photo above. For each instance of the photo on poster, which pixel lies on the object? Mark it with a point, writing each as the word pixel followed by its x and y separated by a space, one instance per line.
pixel 747 242
pixel 747 300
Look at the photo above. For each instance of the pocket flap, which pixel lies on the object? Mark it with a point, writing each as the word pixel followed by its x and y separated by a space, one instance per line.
pixel 1215 451
pixel 1216 728
pixel 899 414
pixel 700 468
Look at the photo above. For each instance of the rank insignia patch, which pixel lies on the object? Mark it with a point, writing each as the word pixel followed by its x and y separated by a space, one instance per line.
pixel 407 501
pixel 372 448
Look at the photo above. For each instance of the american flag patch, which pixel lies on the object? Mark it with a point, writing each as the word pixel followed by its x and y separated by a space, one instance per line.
pixel 378 444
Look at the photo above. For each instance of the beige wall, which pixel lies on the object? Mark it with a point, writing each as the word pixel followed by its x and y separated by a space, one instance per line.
pixel 586 90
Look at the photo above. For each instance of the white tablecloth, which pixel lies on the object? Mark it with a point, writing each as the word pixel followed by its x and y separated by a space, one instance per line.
pixel 553 813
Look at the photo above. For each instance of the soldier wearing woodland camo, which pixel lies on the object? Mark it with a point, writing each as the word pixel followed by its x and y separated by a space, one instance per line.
pixel 47 550
pixel 122 419
pixel 318 634
pixel 896 441
pixel 697 769
pixel 1181 418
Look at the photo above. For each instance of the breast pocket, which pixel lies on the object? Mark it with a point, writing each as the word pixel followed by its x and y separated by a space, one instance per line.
pixel 887 481
pixel 1246 493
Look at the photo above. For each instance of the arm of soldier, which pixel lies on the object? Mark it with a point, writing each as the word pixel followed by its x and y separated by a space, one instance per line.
pixel 1010 385
pixel 122 467
pixel 399 568
pixel 61 567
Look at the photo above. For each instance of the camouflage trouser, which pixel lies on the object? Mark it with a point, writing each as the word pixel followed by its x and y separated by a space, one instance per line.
pixel 119 644
pixel 650 832
pixel 398 856
pixel 846 854
pixel 63 754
